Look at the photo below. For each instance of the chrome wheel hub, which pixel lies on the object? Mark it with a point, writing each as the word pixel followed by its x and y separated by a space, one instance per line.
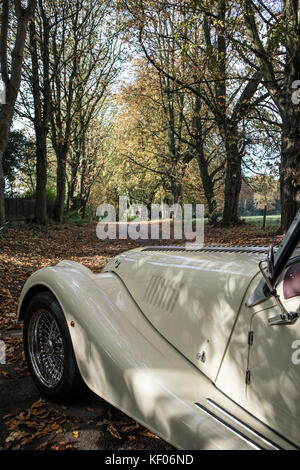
pixel 45 344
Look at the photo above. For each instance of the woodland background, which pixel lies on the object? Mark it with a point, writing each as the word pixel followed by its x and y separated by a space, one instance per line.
pixel 163 101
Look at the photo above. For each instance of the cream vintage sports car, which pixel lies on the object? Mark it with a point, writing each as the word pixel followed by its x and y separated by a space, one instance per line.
pixel 202 347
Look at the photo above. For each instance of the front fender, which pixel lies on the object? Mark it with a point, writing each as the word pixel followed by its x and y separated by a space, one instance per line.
pixel 123 359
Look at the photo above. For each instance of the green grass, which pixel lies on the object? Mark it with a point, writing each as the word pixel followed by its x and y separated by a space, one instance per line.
pixel 271 220
pixel 73 218
pixel 255 221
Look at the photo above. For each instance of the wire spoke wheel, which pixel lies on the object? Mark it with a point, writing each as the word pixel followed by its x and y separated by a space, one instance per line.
pixel 49 350
pixel 46 350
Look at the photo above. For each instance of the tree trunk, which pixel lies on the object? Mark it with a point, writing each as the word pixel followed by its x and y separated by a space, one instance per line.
pixel 290 169
pixel 42 107
pixel 208 187
pixel 233 177
pixel 281 91
pixel 206 178
pixel 176 189
pixel 6 116
pixel 233 182
pixel 4 133
pixel 60 187
pixel 264 217
pixel 13 82
pixel 2 188
pixel 72 184
pixel 83 208
pixel 41 177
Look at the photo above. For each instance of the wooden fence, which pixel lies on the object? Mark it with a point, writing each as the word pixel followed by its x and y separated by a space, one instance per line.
pixel 18 209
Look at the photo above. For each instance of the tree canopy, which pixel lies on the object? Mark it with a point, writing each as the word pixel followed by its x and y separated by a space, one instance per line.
pixel 158 100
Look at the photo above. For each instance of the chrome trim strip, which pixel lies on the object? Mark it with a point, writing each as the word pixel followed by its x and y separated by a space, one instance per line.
pixel 207 248
pixel 243 425
pixel 229 427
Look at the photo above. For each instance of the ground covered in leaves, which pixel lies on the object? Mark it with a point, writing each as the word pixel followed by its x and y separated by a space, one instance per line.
pixel 27 421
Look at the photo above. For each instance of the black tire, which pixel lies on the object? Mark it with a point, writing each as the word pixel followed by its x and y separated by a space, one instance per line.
pixel 49 351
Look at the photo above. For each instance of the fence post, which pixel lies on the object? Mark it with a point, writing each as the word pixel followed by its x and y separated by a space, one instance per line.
pixel 264 217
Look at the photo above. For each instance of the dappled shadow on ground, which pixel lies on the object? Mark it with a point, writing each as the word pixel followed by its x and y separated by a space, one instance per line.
pixel 29 422
pixel 26 420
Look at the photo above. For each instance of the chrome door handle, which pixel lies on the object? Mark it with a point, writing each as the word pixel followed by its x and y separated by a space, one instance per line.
pixel 287 318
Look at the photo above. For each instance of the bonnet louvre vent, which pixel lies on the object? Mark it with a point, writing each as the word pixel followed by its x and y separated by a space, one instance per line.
pixel 223 249
pixel 161 293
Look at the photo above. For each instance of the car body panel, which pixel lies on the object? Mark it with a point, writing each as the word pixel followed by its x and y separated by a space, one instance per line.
pixel 197 321
pixel 123 359
pixel 274 379
pixel 214 320
pixel 126 361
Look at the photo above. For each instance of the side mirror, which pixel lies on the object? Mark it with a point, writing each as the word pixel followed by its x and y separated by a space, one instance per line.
pixel 285 317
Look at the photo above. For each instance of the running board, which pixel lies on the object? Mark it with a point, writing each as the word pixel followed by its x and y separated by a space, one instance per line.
pixel 253 438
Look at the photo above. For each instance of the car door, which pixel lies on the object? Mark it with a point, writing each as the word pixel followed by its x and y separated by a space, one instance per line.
pixel 273 378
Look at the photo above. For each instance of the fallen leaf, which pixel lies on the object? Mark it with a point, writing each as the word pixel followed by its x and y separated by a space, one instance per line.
pixel 147 433
pixel 114 432
pixel 131 427
pixel 15 435
pixel 6 375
